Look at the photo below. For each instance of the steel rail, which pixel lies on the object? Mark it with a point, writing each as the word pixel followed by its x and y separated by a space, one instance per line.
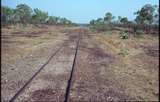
pixel 30 80
pixel 72 71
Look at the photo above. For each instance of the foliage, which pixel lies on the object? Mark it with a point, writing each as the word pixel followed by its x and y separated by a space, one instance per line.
pixel 52 20
pixel 92 22
pixel 124 35
pixel 119 19
pixel 24 14
pixel 124 20
pixel 108 17
pixel 6 14
pixel 124 52
pixel 146 14
pixel 64 21
pixel 156 15
pixel 147 20
pixel 102 24
pixel 39 16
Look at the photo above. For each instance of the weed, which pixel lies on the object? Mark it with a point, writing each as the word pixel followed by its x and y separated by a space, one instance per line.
pixel 124 35
pixel 124 52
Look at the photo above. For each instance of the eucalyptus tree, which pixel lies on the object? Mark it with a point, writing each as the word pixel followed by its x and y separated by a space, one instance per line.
pixel 146 17
pixel 108 17
pixel 146 14
pixel 100 20
pixel 92 22
pixel 124 20
pixel 24 13
pixel 52 20
pixel 119 19
pixel 39 17
pixel 156 15
pixel 7 14
pixel 64 21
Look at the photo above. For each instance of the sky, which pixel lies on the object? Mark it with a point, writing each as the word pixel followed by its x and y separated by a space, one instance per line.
pixel 82 11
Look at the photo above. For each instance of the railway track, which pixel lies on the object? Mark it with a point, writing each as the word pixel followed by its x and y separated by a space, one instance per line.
pixel 42 67
pixel 29 81
pixel 72 71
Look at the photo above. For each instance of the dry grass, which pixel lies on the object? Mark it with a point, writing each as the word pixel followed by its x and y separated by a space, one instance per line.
pixel 18 42
pixel 138 69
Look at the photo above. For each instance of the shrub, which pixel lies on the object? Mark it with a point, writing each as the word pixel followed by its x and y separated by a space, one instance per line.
pixel 100 27
pixel 124 52
pixel 124 35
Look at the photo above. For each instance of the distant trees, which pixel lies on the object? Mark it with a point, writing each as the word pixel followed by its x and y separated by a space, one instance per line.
pixel 92 22
pixel 147 19
pixel 100 20
pixel 6 14
pixel 156 15
pixel 102 24
pixel 39 17
pixel 108 17
pixel 64 21
pixel 124 20
pixel 24 14
pixel 146 14
pixel 97 21
pixel 119 19
pixel 52 20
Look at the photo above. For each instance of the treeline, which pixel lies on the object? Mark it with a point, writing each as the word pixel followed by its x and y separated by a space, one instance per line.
pixel 147 20
pixel 25 15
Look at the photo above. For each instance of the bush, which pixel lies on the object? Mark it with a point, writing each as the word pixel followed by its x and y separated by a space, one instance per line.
pixel 101 27
pixel 124 52
pixel 124 35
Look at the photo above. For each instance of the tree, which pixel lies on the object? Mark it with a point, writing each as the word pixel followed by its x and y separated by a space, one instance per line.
pixel 108 17
pixel 119 19
pixel 3 17
pixel 92 22
pixel 7 14
pixel 64 21
pixel 40 16
pixel 100 20
pixel 124 20
pixel 24 12
pixel 145 15
pixel 156 16
pixel 52 20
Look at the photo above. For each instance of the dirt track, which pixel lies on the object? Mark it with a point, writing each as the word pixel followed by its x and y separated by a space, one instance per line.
pixel 94 77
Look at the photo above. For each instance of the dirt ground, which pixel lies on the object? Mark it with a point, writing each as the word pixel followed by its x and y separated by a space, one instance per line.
pixel 107 68
pixel 22 55
pixel 136 68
